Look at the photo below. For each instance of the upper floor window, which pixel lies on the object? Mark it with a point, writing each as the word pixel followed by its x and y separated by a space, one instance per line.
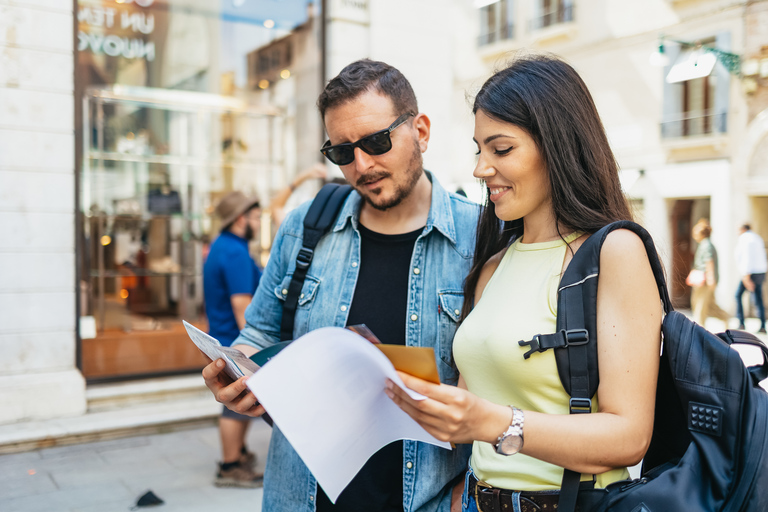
pixel 496 22
pixel 695 93
pixel 551 12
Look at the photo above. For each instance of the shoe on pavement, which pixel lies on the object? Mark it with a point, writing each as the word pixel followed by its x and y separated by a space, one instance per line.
pixel 762 331
pixel 239 476
pixel 248 459
pixel 742 327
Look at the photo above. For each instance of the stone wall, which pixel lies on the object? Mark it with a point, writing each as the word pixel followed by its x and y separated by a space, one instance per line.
pixel 38 374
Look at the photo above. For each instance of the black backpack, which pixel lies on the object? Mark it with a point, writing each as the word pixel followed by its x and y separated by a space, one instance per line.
pixel 709 444
pixel 320 217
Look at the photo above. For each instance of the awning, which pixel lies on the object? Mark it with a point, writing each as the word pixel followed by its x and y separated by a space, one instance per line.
pixel 692 63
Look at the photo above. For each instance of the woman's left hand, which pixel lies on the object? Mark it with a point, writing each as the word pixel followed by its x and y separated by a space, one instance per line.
pixel 449 413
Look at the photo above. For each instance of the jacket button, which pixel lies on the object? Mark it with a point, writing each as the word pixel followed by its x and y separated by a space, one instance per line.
pixel 343 308
pixel 456 312
pixel 311 498
pixel 409 464
pixel 285 291
pixel 416 271
pixel 414 317
pixel 301 296
pixel 354 264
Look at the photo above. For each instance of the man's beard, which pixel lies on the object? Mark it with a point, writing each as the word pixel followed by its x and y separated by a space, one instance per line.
pixel 412 174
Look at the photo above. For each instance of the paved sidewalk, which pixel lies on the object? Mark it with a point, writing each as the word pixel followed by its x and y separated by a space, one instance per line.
pixel 109 476
pixel 178 466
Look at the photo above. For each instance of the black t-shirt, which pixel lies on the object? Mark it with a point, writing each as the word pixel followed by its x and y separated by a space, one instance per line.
pixel 381 303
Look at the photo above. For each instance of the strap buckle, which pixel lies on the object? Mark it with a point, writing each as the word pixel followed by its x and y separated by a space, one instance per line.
pixel 580 405
pixel 576 337
pixel 304 258
pixel 533 343
pixel 561 339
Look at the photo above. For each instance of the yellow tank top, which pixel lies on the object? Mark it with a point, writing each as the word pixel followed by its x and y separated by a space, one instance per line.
pixel 519 301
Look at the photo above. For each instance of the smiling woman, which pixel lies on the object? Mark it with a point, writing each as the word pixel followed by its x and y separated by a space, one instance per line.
pixel 551 181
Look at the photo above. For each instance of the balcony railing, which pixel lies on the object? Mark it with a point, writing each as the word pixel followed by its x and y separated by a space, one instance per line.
pixel 562 14
pixel 692 124
pixel 505 32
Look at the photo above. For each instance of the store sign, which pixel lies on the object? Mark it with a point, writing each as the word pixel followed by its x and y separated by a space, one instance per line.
pixel 117 31
pixel 355 11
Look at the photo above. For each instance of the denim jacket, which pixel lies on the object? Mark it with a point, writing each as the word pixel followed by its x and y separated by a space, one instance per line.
pixel 441 259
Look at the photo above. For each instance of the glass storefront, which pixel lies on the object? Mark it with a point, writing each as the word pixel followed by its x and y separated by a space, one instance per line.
pixel 181 102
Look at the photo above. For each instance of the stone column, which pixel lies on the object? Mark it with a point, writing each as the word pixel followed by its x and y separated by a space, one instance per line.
pixel 38 374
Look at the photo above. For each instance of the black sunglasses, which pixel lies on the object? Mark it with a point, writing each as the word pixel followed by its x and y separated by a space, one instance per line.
pixel 374 144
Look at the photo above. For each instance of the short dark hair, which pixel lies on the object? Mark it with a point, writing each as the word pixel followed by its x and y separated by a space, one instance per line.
pixel 547 98
pixel 746 227
pixel 368 75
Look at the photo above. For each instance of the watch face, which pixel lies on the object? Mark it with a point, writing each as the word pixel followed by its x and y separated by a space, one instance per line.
pixel 510 445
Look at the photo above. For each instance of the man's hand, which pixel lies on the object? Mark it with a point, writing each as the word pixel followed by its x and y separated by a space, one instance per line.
pixel 234 395
pixel 748 283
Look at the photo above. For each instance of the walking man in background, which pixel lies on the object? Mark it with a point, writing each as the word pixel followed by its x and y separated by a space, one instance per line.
pixel 230 278
pixel 395 260
pixel 752 265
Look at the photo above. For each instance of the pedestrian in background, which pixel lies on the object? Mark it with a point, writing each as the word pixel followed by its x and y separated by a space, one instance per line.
pixel 704 276
pixel 230 279
pixel 551 181
pixel 752 265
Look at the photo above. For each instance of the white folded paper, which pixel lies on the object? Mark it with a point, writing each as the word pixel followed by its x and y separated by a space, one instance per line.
pixel 325 392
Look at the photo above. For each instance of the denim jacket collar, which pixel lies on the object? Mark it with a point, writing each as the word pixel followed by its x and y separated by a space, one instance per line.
pixel 440 213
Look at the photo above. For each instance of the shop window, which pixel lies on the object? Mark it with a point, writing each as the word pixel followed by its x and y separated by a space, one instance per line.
pixel 496 22
pixel 551 12
pixel 696 89
pixel 168 122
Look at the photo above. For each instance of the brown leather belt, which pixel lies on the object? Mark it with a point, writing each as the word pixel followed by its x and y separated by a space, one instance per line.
pixel 493 499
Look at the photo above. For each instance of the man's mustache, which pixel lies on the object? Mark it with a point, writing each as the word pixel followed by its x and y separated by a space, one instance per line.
pixel 371 178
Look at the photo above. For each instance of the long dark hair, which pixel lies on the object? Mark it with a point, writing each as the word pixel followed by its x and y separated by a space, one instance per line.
pixel 547 98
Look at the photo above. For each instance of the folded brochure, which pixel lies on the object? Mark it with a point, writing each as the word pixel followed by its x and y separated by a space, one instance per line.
pixel 416 361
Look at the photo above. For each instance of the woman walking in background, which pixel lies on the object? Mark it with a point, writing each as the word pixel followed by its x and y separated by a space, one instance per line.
pixel 704 276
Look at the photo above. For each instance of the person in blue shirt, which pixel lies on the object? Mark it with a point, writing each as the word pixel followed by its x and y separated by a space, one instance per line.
pixel 230 279
pixel 395 259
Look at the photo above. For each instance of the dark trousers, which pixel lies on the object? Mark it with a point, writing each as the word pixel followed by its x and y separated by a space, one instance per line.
pixel 757 296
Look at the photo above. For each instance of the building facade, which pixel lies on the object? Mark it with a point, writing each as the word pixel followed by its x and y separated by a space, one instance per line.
pixel 122 122
pixel 683 115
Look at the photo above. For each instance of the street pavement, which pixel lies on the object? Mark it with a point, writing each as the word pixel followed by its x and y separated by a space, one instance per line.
pixel 110 476
pixel 178 466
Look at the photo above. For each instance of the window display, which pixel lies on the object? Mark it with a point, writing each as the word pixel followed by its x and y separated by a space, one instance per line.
pixel 169 122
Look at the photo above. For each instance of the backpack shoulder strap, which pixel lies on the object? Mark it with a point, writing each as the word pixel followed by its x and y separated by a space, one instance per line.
pixel 577 329
pixel 320 217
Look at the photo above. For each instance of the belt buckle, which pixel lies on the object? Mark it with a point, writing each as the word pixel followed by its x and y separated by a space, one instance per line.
pixel 480 483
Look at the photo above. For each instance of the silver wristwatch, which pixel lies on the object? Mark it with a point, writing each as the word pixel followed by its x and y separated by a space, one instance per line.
pixel 511 441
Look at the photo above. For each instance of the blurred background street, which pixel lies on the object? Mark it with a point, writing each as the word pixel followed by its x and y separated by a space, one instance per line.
pixel 110 476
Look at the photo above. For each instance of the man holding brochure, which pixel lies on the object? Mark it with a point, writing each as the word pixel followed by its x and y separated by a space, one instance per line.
pixel 395 260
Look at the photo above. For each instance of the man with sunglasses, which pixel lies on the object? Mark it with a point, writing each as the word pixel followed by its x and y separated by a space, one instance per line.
pixel 395 260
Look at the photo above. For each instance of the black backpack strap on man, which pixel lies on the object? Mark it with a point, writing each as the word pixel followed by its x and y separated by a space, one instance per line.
pixel 709 449
pixel 318 221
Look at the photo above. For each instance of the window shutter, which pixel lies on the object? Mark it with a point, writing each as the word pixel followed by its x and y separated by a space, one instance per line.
pixel 672 102
pixel 722 87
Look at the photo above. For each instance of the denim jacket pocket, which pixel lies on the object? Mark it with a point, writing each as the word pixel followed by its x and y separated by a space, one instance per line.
pixel 451 303
pixel 308 289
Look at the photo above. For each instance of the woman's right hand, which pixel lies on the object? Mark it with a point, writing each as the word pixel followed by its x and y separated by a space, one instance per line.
pixel 233 394
pixel 450 413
